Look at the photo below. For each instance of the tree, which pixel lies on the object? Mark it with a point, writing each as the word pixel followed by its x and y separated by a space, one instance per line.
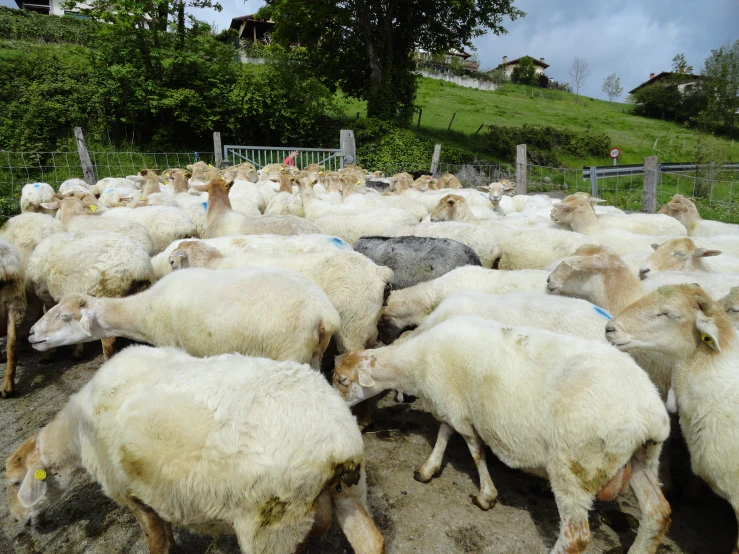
pixel 721 84
pixel 366 47
pixel 525 72
pixel 579 73
pixel 612 87
pixel 679 65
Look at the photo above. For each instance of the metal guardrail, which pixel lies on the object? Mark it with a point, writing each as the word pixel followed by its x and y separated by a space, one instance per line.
pixel 331 159
pixel 638 169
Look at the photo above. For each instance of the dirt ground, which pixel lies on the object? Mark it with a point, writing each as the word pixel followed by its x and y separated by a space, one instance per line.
pixel 436 518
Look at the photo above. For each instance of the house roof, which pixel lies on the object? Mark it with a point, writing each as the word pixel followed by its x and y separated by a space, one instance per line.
pixel 662 76
pixel 236 22
pixel 517 60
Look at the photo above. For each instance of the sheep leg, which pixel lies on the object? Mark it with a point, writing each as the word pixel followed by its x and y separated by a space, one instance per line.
pixel 155 529
pixel 322 519
pixel 108 347
pixel 78 351
pixel 432 466
pixel 358 526
pixel 11 347
pixel 655 511
pixel 573 503
pixel 488 495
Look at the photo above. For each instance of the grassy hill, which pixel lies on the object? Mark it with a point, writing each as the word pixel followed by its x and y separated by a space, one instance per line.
pixel 517 105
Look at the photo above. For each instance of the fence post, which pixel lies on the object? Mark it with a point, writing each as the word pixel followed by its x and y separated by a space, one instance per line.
pixel 651 176
pixel 217 150
pixel 435 159
pixel 521 167
pixel 593 182
pixel 88 171
pixel 348 146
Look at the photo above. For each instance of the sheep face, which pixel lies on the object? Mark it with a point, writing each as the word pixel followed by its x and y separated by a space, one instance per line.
pixel 681 208
pixel 578 276
pixel 69 322
pixel 570 209
pixel 31 486
pixel 179 259
pixel 676 255
pixel 497 191
pixel 353 377
pixel 676 320
pixel 730 304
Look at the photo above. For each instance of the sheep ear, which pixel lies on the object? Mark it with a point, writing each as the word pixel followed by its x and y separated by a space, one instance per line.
pixel 33 487
pixel 86 322
pixel 706 325
pixel 365 380
pixel 584 263
pixel 508 190
pixel 485 188
pixel 703 253
pixel 655 246
pixel 50 205
pixel 594 200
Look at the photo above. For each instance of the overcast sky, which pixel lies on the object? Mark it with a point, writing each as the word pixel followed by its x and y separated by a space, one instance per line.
pixel 631 38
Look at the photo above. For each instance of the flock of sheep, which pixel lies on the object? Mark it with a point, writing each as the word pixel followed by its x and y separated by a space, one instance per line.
pixel 494 309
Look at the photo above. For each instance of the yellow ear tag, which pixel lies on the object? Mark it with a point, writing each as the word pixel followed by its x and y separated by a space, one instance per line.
pixel 93 207
pixel 40 474
pixel 705 338
pixel 358 183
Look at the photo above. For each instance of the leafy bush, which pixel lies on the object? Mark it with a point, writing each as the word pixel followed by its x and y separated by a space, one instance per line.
pixel 9 206
pixel 384 146
pixel 27 25
pixel 525 72
pixel 545 144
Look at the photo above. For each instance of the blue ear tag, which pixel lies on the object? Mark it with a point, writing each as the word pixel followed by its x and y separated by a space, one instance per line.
pixel 602 312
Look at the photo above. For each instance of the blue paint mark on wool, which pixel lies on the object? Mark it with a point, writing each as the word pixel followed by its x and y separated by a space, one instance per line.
pixel 338 242
pixel 205 205
pixel 602 312
pixel 36 185
pixel 108 191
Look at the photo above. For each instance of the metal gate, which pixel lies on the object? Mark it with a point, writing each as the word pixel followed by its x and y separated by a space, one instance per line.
pixel 329 158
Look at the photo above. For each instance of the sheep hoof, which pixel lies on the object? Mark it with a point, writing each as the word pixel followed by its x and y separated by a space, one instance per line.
pixel 484 505
pixel 7 392
pixel 420 478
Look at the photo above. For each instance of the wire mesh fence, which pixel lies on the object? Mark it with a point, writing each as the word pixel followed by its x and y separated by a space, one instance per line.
pixel 19 168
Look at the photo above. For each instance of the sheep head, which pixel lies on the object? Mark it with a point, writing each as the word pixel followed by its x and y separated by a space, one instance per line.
pixel 451 208
pixel 72 321
pixel 497 190
pixel 32 486
pixel 730 304
pixel 679 254
pixel 353 376
pixel 676 320
pixel 681 208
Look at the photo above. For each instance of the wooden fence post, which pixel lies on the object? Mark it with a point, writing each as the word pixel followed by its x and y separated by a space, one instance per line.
pixel 593 182
pixel 452 121
pixel 217 150
pixel 651 176
pixel 88 171
pixel 521 167
pixel 420 113
pixel 348 146
pixel 435 159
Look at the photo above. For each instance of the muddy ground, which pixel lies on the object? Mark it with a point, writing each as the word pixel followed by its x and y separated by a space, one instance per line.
pixel 434 518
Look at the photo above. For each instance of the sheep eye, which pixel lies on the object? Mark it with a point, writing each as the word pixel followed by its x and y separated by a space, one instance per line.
pixel 679 254
pixel 734 310
pixel 344 380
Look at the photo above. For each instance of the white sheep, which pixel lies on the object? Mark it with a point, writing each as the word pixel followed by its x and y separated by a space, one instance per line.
pixel 685 324
pixel 234 444
pixel 285 202
pixel 683 255
pixel 353 283
pixel 685 211
pixel 76 215
pixel 77 185
pixel 269 312
pixel 730 304
pixel 26 231
pixel 715 284
pixel 521 247
pixel 267 245
pixel 221 220
pixel 12 309
pixel 408 307
pixel 351 226
pixel 569 316
pixel 35 194
pixel 164 223
pixel 575 411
